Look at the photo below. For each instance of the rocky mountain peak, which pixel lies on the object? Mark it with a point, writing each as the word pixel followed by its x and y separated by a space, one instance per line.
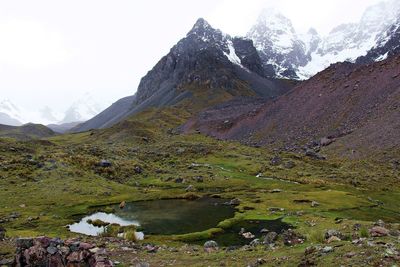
pixel 203 31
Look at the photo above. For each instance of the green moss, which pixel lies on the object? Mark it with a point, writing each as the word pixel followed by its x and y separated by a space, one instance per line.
pixel 204 235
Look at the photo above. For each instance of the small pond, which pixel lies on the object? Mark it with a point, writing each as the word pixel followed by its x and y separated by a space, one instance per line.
pixel 179 216
pixel 164 217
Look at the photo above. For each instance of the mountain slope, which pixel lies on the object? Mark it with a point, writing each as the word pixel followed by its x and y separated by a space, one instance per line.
pixel 356 105
pixel 204 68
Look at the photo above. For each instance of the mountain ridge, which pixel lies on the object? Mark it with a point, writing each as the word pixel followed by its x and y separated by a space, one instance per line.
pixel 203 68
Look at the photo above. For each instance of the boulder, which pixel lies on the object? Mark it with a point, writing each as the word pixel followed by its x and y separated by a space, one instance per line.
pixel 256 242
pixel 325 141
pixel 248 235
pixel 179 180
pixel 314 204
pixel 104 163
pixel 330 233
pixel 291 238
pixel 210 246
pixel 138 169
pixel 327 249
pixel 276 161
pixel 333 239
pixel 234 202
pixel 44 251
pixel 190 188
pixel 270 238
pixel 378 231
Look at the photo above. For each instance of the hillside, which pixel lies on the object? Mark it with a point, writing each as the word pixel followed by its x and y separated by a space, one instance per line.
pixel 355 105
pixel 26 132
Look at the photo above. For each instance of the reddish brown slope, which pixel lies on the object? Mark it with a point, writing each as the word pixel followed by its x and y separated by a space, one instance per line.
pixel 358 105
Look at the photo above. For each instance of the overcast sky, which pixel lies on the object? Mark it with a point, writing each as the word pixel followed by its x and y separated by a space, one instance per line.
pixel 53 51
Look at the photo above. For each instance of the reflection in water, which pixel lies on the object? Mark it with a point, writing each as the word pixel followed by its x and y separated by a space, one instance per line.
pixel 83 227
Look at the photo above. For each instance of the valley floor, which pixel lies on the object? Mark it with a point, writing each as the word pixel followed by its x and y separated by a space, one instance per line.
pixel 46 185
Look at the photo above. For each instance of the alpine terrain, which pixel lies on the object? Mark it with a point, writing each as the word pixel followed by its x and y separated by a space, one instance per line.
pixel 279 148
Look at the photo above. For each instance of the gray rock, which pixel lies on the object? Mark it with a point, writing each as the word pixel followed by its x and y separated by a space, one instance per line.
pixel 378 231
pixel 179 180
pixel 380 223
pixel 289 165
pixel 276 161
pixel 190 188
pixel 104 163
pixel 210 246
pixel 255 242
pixel 234 202
pixel 138 169
pixel 314 204
pixel 325 141
pixel 270 238
pixel 327 249
pixel 52 250
pixel 291 238
pixel 333 232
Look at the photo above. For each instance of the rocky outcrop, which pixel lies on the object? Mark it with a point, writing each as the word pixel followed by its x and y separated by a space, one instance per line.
pixel 51 252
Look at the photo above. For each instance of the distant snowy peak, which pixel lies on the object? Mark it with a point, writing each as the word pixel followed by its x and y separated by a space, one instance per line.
pixel 388 45
pixel 82 110
pixel 10 114
pixel 287 54
pixel 6 106
pixel 348 42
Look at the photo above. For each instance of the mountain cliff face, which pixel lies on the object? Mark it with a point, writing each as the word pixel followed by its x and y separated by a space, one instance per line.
pixel 204 68
pixel 356 105
pixel 281 50
pixel 288 54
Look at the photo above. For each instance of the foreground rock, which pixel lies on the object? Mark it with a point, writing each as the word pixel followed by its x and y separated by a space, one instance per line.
pixel 45 251
pixel 210 246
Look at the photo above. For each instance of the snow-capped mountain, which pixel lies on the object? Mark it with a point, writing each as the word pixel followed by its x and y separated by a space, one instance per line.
pixel 82 110
pixel 388 45
pixel 10 114
pixel 293 55
pixel 278 44
pixel 347 42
